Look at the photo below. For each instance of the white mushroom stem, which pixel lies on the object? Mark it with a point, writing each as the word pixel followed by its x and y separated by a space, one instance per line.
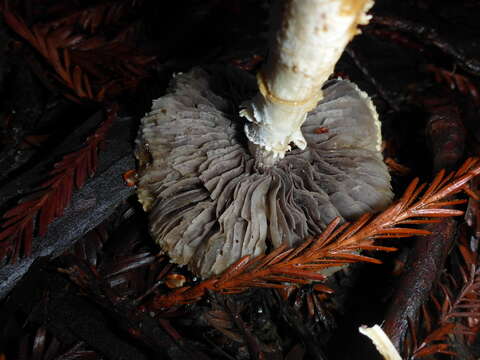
pixel 381 341
pixel 310 40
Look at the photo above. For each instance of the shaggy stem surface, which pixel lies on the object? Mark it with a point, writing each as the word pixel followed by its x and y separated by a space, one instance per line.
pixel 311 37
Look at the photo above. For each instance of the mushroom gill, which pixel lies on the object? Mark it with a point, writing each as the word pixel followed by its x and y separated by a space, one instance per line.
pixel 211 202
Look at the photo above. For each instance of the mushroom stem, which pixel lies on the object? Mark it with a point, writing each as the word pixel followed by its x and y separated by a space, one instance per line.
pixel 381 341
pixel 311 38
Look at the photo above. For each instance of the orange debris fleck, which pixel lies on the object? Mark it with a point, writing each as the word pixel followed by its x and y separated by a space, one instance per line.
pixel 130 177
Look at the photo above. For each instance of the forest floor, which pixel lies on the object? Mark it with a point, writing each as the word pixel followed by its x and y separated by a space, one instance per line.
pixel 79 272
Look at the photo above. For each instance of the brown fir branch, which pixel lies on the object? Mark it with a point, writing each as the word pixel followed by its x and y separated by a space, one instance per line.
pixel 338 245
pixel 47 202
pixel 91 66
pixel 53 45
pixel 435 343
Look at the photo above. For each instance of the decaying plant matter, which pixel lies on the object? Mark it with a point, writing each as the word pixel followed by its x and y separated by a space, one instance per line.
pixel 337 245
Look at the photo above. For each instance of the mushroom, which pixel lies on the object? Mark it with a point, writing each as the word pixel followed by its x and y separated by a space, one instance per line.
pixel 219 186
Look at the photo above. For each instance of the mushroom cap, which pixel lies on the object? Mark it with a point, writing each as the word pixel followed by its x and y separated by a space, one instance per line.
pixel 208 202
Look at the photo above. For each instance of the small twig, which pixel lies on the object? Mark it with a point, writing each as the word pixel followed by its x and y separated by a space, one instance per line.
pixel 447 136
pixel 413 289
pixel 430 37
pixel 445 131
